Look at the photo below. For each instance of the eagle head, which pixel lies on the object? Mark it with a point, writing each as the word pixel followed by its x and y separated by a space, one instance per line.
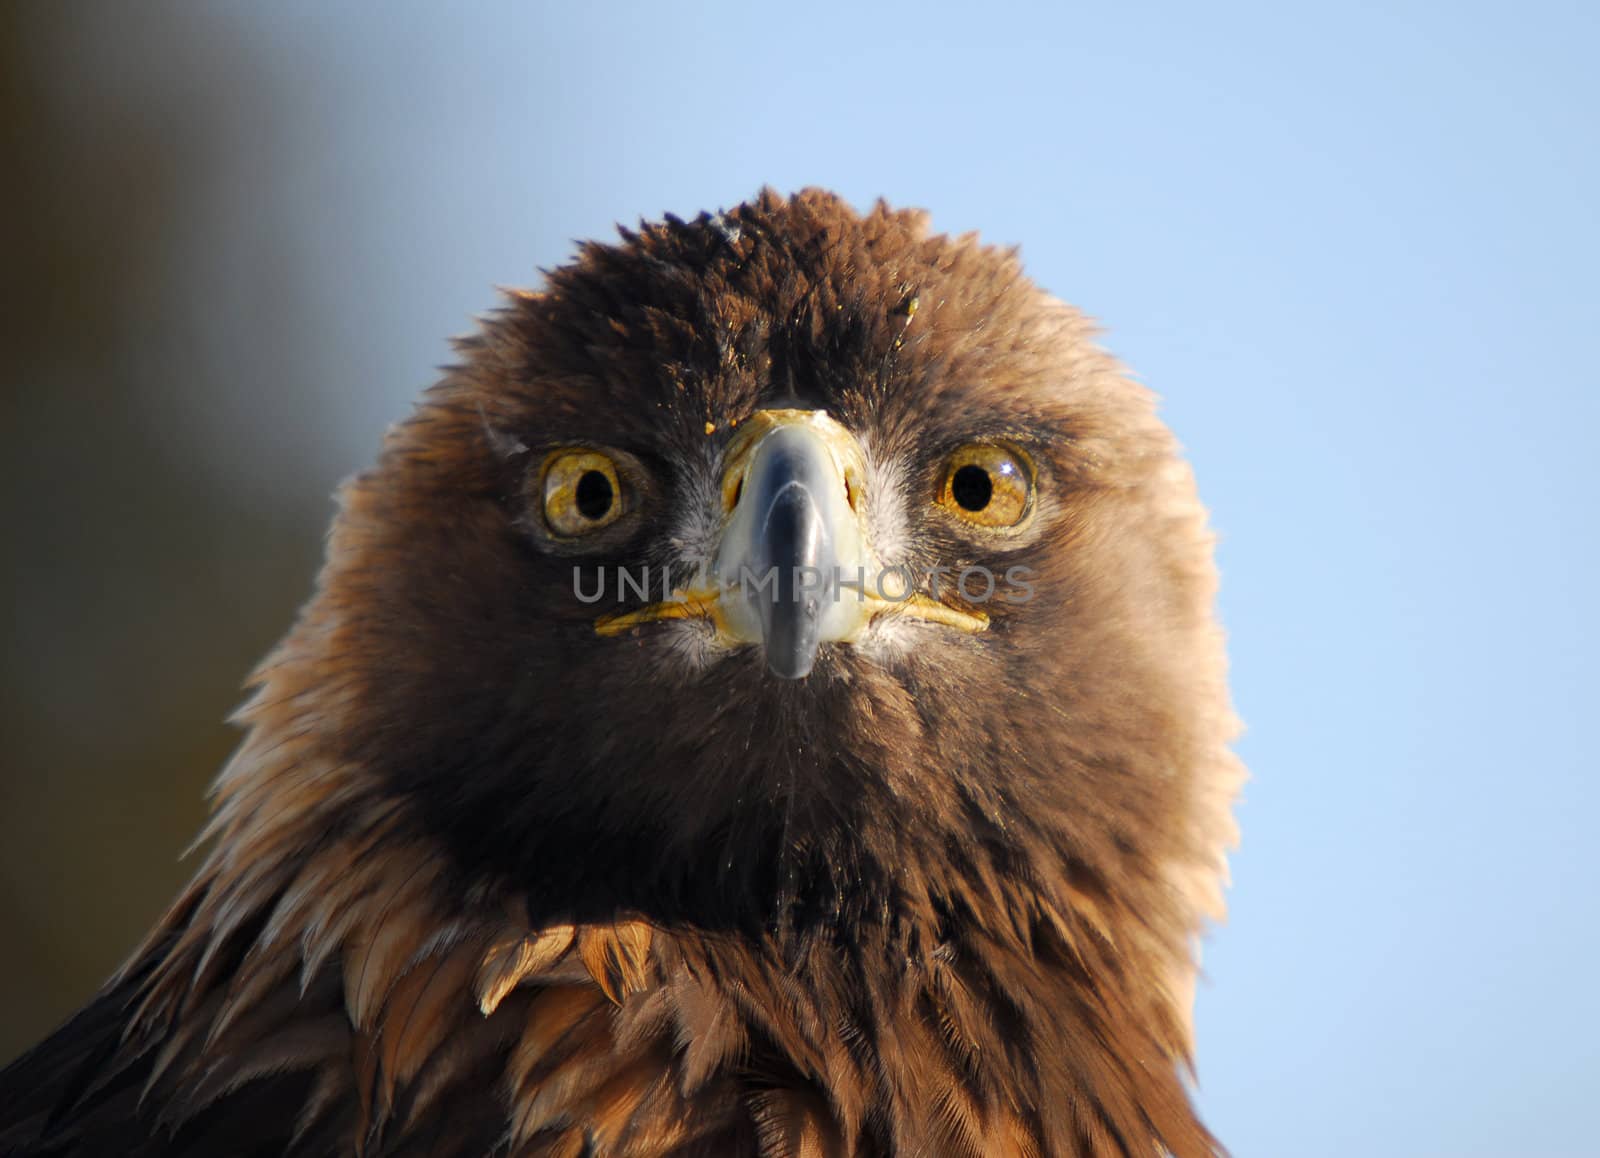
pixel 781 565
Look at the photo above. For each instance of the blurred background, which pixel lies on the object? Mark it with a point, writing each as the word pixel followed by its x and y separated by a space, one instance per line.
pixel 1353 246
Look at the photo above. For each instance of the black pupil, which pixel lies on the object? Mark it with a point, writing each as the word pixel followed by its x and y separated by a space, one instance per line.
pixel 594 494
pixel 972 488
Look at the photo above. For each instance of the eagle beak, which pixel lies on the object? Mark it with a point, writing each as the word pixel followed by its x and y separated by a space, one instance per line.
pixel 794 568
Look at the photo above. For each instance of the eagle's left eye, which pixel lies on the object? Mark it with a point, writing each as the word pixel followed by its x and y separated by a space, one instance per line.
pixel 987 484
pixel 581 492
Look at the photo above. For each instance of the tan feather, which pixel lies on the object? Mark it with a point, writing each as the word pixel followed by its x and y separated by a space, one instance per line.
pixel 616 957
pixel 373 962
pixel 564 1081
pixel 610 1108
pixel 515 957
pixel 705 1030
pixel 552 1014
pixel 793 1124
pixel 425 1007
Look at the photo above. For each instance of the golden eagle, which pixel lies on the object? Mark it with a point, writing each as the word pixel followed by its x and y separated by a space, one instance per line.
pixel 766 700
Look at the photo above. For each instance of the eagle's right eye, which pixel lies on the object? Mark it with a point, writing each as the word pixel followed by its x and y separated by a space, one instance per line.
pixel 581 492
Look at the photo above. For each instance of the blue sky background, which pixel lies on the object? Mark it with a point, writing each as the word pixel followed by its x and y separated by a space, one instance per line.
pixel 1355 249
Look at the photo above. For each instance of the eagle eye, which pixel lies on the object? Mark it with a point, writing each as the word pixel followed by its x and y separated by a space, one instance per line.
pixel 989 485
pixel 581 492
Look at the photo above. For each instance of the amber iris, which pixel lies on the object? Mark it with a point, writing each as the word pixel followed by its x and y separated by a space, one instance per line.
pixel 988 485
pixel 581 492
